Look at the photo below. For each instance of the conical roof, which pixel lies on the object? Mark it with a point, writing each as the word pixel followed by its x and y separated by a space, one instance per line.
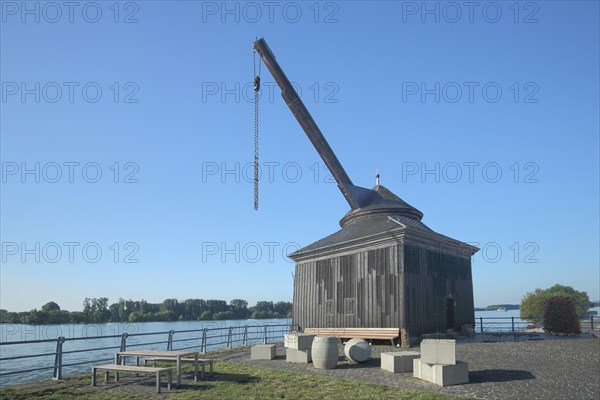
pixel 381 215
pixel 380 200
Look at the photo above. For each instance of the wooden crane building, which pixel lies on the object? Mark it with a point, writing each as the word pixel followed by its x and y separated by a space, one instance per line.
pixel 384 268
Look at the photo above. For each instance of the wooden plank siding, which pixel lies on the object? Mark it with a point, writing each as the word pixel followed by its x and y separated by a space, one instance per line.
pixel 397 286
pixel 359 290
pixel 432 277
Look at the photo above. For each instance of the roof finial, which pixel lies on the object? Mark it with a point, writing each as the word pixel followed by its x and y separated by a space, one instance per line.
pixel 377 177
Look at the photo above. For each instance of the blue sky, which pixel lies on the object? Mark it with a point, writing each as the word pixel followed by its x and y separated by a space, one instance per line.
pixel 138 136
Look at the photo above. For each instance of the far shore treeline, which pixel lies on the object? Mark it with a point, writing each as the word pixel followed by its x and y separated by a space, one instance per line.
pixel 97 310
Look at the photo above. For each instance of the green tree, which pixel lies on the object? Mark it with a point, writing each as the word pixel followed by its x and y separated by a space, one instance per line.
pixel 192 309
pixel 77 317
pixel 215 306
pixel 172 306
pixel 206 315
pixel 239 308
pixel 87 307
pixel 532 304
pixel 36 317
pixel 9 317
pixel 283 308
pixel 262 314
pixel 50 306
pixel 223 315
pixel 135 317
pixel 264 306
pixel 115 314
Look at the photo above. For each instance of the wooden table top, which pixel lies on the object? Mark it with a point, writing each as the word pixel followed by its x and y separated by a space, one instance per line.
pixel 156 353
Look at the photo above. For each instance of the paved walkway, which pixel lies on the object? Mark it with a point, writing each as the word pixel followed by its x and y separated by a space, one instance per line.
pixel 544 369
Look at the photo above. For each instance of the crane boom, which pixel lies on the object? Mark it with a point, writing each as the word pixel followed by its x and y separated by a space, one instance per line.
pixel 351 193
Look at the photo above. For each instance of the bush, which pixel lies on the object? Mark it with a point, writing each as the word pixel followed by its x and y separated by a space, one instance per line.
pixel 560 315
pixel 532 304
pixel 223 315
pixel 206 315
pixel 262 314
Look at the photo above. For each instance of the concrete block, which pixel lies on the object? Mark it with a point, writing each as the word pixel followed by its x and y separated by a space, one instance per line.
pixel 446 375
pixel 263 352
pixel 422 370
pixel 398 361
pixel 417 368
pixel 298 356
pixel 300 341
pixel 438 351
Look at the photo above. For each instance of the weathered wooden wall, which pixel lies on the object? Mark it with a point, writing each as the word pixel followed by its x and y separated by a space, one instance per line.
pixel 395 286
pixel 357 290
pixel 431 277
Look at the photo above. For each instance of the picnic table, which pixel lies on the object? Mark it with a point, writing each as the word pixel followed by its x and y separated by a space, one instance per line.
pixel 178 355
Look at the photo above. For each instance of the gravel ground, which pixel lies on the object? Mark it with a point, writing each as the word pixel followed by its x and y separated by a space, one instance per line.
pixel 561 368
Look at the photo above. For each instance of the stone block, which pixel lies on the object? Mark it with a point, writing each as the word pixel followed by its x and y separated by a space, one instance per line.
pixel 398 361
pixel 422 370
pixel 299 341
pixel 263 352
pixel 442 375
pixel 446 375
pixel 298 356
pixel 417 368
pixel 438 351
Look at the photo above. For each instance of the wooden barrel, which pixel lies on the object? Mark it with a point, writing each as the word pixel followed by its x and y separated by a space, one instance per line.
pixel 324 352
pixel 357 350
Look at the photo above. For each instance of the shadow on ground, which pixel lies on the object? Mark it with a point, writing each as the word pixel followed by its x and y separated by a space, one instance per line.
pixel 499 375
pixel 371 363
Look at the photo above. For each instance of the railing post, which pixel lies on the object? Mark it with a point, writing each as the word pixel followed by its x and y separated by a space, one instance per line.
pixel 203 346
pixel 245 339
pixel 591 322
pixel 266 333
pixel 124 341
pixel 58 358
pixel 229 334
pixel 481 324
pixel 170 341
pixel 513 324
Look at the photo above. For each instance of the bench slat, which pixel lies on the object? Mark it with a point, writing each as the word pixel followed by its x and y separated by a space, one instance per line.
pixel 131 368
pixel 363 333
pixel 200 360
pixel 372 333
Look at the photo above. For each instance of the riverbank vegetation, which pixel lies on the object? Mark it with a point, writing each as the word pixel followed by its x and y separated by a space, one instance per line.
pixel 98 310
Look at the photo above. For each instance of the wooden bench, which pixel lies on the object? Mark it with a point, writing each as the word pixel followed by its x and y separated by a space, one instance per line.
pixel 362 333
pixel 134 369
pixel 201 361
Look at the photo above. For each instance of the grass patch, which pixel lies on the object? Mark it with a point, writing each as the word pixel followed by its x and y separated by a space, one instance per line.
pixel 72 387
pixel 231 381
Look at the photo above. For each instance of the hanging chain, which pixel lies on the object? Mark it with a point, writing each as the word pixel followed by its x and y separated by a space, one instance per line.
pixel 256 150
pixel 256 171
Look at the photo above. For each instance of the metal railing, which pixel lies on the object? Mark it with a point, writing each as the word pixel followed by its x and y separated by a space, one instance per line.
pixel 201 339
pixel 500 324
pixel 514 325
